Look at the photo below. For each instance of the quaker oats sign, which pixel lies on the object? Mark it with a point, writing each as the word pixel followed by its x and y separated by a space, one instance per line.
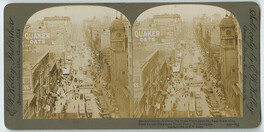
pixel 146 36
pixel 36 36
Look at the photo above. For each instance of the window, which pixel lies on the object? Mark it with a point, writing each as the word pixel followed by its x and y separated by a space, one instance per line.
pixel 230 42
pixel 228 32
pixel 233 70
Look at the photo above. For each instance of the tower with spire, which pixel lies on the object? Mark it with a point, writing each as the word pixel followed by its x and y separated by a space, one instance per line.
pixel 119 65
pixel 229 57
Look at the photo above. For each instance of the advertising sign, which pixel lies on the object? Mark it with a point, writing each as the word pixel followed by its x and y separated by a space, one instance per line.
pixel 145 36
pixel 37 36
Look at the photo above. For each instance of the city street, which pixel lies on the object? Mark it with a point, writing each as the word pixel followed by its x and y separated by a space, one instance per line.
pixel 75 92
pixel 184 90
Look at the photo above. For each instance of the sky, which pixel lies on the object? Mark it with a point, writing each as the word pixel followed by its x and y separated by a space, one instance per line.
pixel 187 12
pixel 77 13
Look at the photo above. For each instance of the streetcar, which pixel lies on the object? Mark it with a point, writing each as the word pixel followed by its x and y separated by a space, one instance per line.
pixel 88 109
pixel 192 107
pixel 81 110
pixel 198 107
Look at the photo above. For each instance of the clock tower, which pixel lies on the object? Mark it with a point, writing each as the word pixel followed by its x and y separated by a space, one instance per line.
pixel 119 54
pixel 229 54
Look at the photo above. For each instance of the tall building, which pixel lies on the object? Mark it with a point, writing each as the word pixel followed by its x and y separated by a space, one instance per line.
pixel 165 29
pixel 229 61
pixel 229 46
pixel 50 34
pixel 119 67
pixel 164 19
pixel 60 28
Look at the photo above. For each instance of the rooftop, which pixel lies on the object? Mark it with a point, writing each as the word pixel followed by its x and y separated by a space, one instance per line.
pixel 141 56
pixel 167 16
pixel 117 24
pixel 56 18
pixel 227 21
pixel 31 58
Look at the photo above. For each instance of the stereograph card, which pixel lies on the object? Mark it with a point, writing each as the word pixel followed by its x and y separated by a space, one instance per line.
pixel 132 65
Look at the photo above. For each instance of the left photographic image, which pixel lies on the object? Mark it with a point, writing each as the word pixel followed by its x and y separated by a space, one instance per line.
pixel 77 64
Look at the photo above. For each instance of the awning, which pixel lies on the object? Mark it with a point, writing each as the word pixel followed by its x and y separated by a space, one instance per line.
pixel 176 68
pixel 65 71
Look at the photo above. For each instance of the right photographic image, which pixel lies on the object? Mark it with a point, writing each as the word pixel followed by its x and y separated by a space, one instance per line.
pixel 187 62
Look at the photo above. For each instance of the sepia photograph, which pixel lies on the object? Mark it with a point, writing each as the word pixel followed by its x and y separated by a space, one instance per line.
pixel 175 61
pixel 75 64
pixel 135 65
pixel 187 62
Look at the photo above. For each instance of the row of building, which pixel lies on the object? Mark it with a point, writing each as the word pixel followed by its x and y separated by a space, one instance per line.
pixel 156 42
pixel 220 40
pixel 150 74
pixel 43 45
pixel 111 47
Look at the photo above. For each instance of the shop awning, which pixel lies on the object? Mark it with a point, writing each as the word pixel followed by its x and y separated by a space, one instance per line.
pixel 65 71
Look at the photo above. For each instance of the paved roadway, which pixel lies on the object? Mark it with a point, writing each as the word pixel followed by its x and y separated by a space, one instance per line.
pixel 181 89
pixel 68 91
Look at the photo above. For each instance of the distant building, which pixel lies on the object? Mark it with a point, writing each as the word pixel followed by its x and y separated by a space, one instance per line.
pixel 208 31
pixel 56 21
pixel 208 35
pixel 163 29
pixel 50 34
pixel 60 28
pixel 165 19
pixel 94 41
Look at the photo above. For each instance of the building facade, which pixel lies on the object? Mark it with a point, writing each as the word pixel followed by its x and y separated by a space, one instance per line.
pixel 60 29
pixel 150 82
pixel 231 65
pixel 119 67
pixel 165 29
pixel 39 79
